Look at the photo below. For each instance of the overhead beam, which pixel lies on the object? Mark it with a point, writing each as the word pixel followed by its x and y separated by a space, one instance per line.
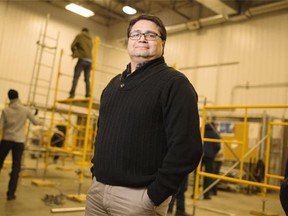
pixel 218 7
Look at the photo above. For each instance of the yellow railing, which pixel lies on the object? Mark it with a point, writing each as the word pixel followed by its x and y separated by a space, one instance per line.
pixel 241 159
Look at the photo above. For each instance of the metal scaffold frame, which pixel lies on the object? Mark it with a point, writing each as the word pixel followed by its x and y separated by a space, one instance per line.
pixel 80 142
pixel 39 65
pixel 40 84
pixel 244 153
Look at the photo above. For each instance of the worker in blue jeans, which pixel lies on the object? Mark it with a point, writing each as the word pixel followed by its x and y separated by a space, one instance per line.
pixel 12 124
pixel 81 48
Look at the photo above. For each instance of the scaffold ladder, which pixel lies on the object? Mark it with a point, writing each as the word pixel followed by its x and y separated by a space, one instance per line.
pixel 40 85
pixel 41 80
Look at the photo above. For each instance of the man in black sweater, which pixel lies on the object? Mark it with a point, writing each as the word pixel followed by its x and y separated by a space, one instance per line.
pixel 148 136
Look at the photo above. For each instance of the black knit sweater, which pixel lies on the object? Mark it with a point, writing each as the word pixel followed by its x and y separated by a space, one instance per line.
pixel 148 131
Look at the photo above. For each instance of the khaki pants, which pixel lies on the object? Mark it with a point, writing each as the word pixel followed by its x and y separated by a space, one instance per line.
pixel 103 200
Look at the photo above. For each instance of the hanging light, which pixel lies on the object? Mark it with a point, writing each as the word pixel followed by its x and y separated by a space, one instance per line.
pixel 129 10
pixel 79 10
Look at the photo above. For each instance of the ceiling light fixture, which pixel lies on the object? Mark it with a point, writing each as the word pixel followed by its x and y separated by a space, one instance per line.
pixel 79 10
pixel 129 10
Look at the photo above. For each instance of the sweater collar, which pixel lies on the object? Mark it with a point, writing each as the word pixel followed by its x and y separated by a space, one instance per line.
pixel 128 72
pixel 140 67
pixel 142 73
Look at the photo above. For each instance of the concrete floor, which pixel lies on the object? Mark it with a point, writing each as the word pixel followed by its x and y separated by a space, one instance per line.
pixel 30 197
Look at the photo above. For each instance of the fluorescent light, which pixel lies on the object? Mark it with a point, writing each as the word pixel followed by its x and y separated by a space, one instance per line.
pixel 129 10
pixel 79 10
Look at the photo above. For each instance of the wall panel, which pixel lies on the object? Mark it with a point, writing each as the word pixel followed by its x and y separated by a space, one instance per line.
pixel 21 24
pixel 258 48
pixel 216 59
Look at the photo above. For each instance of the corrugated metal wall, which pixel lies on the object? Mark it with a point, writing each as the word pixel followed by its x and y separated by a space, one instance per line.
pixel 233 63
pixel 20 27
pixel 255 51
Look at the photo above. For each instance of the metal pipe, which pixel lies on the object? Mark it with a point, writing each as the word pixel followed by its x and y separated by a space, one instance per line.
pixel 259 106
pixel 248 87
pixel 241 181
pixel 208 65
pixel 218 19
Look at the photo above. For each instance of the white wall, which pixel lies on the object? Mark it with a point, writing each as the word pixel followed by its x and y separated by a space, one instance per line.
pixel 257 50
pixel 218 60
pixel 20 27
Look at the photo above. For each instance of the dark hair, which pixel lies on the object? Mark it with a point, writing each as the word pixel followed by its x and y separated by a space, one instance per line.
pixel 12 94
pixel 85 29
pixel 151 18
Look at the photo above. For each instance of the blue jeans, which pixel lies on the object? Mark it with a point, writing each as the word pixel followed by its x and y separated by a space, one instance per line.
pixel 17 152
pixel 85 66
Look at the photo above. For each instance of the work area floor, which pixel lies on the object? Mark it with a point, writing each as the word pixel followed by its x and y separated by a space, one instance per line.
pixel 61 199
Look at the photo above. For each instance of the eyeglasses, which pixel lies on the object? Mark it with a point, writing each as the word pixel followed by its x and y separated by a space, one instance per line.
pixel 149 36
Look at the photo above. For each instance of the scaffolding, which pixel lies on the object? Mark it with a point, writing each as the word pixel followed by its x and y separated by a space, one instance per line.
pixel 40 86
pixel 243 153
pixel 78 117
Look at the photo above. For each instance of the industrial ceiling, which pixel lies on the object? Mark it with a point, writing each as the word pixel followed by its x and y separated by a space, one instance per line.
pixel 193 13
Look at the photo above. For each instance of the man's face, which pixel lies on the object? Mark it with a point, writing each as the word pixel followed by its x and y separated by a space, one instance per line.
pixel 143 49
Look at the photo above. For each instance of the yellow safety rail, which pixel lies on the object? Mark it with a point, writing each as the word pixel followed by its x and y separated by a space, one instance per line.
pixel 265 185
pixel 81 140
pixel 90 104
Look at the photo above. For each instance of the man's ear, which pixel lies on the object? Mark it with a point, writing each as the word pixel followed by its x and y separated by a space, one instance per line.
pixel 163 45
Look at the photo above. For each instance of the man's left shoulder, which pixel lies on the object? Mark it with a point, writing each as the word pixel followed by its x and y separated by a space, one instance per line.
pixel 172 73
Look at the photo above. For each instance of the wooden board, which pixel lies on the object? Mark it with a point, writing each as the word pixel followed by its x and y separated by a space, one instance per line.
pixel 43 183
pixel 261 213
pixel 76 197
